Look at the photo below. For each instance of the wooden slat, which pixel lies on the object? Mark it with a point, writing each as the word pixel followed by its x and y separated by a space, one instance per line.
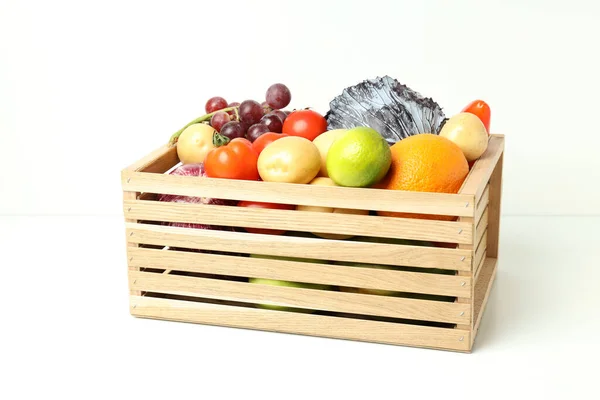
pixel 289 246
pixel 158 161
pixel 482 205
pixel 347 224
pixel 494 210
pixel 481 248
pixel 325 300
pixel 312 195
pixel 475 183
pixel 305 324
pixel 482 291
pixel 466 275
pixel 481 227
pixel 294 271
pixel 128 196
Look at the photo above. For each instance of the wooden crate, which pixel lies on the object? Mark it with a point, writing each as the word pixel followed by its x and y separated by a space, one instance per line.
pixel 440 290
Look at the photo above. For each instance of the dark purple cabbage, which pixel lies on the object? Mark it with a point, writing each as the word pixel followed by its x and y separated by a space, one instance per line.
pixel 384 104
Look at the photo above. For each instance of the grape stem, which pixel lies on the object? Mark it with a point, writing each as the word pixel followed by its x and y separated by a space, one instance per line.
pixel 206 117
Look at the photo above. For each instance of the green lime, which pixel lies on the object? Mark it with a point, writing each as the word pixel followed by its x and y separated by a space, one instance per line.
pixel 360 158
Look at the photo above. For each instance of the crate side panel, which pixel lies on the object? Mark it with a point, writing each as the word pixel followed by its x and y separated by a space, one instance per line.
pixel 307 221
pixel 305 272
pixel 305 324
pixel 289 246
pixel 312 195
pixel 314 299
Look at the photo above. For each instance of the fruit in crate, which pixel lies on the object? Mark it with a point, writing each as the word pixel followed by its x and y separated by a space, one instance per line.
pixel 281 114
pixel 272 282
pixel 255 131
pixel 273 121
pixel 387 106
pixel 219 119
pixel 468 132
pixel 290 159
pixel 304 123
pixel 322 181
pixel 278 96
pixel 233 129
pixel 195 142
pixel 360 158
pixel 250 112
pixel 219 115
pixel 425 163
pixel 214 104
pixel 323 143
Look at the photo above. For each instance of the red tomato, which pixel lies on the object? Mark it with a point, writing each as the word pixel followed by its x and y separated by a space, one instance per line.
pixel 306 123
pixel 235 160
pixel 265 139
pixel 482 110
pixel 258 204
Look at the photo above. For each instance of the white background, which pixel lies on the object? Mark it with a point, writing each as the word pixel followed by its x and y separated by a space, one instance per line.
pixel 86 88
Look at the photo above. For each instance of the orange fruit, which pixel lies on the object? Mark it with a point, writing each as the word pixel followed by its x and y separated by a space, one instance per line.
pixel 425 163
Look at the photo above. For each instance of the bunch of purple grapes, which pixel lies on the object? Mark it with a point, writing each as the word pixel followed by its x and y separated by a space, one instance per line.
pixel 252 118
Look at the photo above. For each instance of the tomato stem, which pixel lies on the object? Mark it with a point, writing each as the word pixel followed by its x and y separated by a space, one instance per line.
pixel 220 140
pixel 203 118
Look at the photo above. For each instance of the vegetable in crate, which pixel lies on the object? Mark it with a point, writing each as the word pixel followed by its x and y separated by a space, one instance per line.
pixel 323 143
pixel 195 142
pixel 482 110
pixel 304 123
pixel 384 104
pixel 290 159
pixel 266 139
pixel 468 132
pixel 196 170
pixel 231 159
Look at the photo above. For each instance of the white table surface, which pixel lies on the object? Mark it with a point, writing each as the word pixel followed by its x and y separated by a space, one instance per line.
pixel 67 332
